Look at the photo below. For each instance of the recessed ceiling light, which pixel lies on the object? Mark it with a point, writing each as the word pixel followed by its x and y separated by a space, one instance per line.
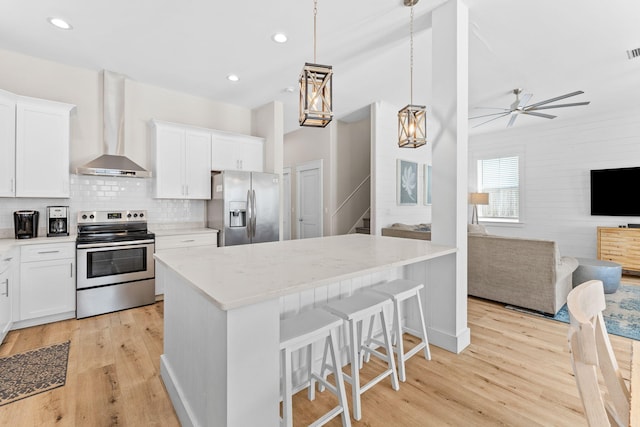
pixel 279 38
pixel 60 23
pixel 233 78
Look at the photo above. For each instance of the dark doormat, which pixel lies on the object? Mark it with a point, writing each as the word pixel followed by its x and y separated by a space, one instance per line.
pixel 32 372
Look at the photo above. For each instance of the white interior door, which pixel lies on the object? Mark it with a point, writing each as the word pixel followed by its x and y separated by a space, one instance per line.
pixel 309 199
pixel 286 190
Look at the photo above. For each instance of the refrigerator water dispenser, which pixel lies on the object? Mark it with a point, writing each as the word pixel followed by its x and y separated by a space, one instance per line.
pixel 237 214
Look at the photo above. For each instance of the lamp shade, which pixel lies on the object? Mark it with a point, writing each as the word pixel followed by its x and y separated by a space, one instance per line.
pixel 479 198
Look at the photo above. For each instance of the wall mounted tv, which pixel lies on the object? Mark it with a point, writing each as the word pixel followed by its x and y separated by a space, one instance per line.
pixel 609 194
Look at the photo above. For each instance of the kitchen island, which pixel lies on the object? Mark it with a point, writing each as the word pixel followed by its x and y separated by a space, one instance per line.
pixel 223 307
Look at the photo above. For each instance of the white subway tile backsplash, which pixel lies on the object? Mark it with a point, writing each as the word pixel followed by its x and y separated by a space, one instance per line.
pixel 97 193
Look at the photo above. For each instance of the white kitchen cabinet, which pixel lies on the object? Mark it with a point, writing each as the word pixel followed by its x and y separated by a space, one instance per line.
pixel 47 283
pixel 182 167
pixel 181 241
pixel 236 152
pixel 42 134
pixel 7 144
pixel 7 270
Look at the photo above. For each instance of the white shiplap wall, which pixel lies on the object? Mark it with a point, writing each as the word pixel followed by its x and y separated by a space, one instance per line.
pixel 558 156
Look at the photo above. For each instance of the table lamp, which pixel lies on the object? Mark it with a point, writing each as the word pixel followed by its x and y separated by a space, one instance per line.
pixel 477 199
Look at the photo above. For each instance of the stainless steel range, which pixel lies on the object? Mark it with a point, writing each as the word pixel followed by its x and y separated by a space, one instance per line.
pixel 115 267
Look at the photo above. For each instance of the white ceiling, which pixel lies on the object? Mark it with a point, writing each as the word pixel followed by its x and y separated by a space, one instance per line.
pixel 547 47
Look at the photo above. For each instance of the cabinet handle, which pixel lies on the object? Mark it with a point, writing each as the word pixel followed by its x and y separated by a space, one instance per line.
pixel 71 269
pixel 48 252
pixel 8 259
pixel 12 185
pixel 187 241
pixel 6 292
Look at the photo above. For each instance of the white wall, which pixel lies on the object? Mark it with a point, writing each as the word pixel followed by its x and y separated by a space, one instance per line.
pixel 558 156
pixel 384 155
pixel 39 78
pixel 304 145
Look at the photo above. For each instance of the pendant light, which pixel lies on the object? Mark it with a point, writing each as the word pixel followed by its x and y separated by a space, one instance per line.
pixel 316 94
pixel 412 119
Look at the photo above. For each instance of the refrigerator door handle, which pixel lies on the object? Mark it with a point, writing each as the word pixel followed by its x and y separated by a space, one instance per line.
pixel 254 213
pixel 249 213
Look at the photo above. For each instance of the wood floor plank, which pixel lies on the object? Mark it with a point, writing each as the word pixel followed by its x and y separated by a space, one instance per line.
pixel 516 372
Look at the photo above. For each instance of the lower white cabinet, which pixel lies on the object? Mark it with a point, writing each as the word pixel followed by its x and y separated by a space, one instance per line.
pixel 6 294
pixel 47 282
pixel 187 240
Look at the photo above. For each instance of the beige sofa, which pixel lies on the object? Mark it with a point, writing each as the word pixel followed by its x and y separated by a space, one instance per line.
pixel 527 273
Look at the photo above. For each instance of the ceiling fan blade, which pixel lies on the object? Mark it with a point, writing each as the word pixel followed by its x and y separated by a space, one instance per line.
pixel 574 104
pixel 546 116
pixel 525 98
pixel 491 114
pixel 490 120
pixel 491 108
pixel 512 120
pixel 558 98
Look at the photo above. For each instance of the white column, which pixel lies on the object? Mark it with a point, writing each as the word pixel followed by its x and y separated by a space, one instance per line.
pixel 447 276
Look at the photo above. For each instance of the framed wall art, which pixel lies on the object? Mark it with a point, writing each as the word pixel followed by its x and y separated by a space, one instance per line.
pixel 407 182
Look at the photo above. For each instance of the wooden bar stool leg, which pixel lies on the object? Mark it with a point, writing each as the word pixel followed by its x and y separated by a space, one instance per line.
pixel 287 410
pixel 339 379
pixel 389 349
pixel 427 352
pixel 397 324
pixel 355 374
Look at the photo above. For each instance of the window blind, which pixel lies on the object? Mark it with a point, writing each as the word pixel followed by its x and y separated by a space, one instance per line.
pixel 500 178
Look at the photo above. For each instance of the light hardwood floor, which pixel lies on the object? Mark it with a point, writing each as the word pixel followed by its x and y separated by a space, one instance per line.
pixel 516 372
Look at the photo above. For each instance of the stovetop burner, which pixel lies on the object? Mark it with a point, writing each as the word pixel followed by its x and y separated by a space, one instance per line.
pixel 112 226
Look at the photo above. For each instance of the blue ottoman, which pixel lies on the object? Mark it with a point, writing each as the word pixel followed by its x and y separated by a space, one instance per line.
pixel 596 269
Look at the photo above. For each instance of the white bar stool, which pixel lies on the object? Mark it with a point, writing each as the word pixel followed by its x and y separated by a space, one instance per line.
pixel 303 330
pixel 353 310
pixel 400 290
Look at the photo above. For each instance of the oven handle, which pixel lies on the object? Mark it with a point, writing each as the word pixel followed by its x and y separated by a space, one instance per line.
pixel 112 244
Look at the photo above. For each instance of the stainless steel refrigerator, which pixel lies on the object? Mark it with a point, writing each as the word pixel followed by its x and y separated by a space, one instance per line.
pixel 244 207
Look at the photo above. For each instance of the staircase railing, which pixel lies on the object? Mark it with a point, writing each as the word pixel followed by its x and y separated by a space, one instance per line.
pixel 357 197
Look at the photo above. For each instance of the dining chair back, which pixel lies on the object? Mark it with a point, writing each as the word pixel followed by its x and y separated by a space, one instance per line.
pixel 593 360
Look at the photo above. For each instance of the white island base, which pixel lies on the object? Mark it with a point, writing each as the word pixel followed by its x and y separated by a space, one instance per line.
pixel 222 311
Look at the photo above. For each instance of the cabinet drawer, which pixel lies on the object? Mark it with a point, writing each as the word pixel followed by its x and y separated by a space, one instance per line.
pixel 45 252
pixel 186 240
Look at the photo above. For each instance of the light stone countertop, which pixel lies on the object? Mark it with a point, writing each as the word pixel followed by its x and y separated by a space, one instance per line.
pixel 237 276
pixel 7 244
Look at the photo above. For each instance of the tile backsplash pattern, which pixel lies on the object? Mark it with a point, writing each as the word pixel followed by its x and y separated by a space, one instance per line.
pixel 106 193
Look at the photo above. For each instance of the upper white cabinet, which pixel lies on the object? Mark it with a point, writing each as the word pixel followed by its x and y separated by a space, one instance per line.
pixel 34 139
pixel 237 152
pixel 7 144
pixel 182 167
pixel 42 148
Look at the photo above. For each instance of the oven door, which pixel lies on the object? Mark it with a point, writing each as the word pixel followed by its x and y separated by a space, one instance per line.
pixel 115 262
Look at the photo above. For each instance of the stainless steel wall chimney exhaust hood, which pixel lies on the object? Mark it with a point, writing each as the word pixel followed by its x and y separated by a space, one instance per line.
pixel 113 163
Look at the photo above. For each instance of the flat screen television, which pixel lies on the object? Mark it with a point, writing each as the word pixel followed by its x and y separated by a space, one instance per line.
pixel 610 193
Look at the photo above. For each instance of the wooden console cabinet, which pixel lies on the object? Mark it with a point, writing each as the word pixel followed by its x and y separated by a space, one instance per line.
pixel 621 245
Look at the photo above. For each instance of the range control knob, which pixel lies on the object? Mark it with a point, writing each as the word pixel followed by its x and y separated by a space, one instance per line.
pixel 84 216
pixel 91 216
pixel 128 215
pixel 135 215
pixel 141 214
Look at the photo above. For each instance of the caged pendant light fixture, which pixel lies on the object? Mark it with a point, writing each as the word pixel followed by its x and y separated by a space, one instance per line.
pixel 412 119
pixel 316 94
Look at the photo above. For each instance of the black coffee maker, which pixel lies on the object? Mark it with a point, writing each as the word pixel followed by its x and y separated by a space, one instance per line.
pixel 26 224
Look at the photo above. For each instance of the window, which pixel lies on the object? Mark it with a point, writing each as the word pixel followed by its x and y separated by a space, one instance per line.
pixel 500 177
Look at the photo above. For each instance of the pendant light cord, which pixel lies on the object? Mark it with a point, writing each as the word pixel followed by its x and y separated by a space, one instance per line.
pixel 315 12
pixel 411 62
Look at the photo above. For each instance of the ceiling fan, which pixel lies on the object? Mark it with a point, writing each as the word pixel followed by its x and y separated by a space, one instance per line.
pixel 519 106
